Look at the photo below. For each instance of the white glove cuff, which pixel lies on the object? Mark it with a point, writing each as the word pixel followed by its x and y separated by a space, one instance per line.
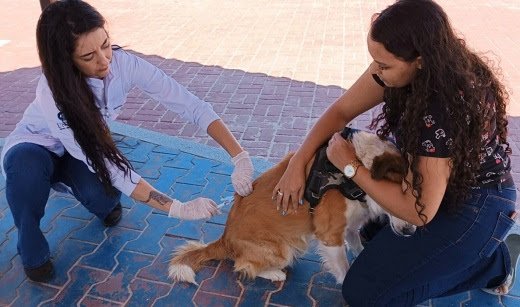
pixel 242 155
pixel 175 209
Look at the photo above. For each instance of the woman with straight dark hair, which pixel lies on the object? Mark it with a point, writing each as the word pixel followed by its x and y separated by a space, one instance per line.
pixel 446 109
pixel 63 140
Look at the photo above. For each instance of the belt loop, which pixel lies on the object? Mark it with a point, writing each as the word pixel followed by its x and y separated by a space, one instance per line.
pixel 499 186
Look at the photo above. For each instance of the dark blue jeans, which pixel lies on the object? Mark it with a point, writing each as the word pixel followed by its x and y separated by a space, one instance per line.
pixel 455 252
pixel 30 171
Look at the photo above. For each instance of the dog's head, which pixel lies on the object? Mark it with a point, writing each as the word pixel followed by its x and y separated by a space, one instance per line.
pixel 371 149
pixel 389 166
pixel 384 162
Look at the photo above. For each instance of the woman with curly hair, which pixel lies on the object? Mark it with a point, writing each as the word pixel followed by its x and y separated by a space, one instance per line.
pixel 63 140
pixel 447 111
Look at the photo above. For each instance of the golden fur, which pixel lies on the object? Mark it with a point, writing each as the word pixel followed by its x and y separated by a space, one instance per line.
pixel 262 242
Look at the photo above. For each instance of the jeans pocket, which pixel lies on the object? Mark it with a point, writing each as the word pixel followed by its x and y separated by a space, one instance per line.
pixel 504 223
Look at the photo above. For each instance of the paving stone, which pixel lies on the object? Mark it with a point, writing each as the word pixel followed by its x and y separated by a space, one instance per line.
pixel 104 257
pixel 140 152
pixel 65 258
pixel 3 201
pixel 211 232
pixel 114 287
pixel 324 279
pixel 295 287
pixel 78 212
pixel 32 293
pixel 157 270
pixel 197 175
pixel 94 301
pixel 145 291
pixel 10 281
pixel 54 207
pixel 8 252
pixel 148 241
pixel 327 297
pixel 167 179
pixel 211 299
pixel 6 225
pixel 224 281
pixel 135 218
pixel 294 294
pixel 217 186
pixel 81 279
pixel 477 298
pixel 187 229
pixel 257 291
pixel 93 232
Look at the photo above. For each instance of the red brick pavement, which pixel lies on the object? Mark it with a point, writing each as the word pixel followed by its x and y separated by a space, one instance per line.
pixel 269 67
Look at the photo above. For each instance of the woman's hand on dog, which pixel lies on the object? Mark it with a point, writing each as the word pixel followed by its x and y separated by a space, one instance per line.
pixel 288 193
pixel 340 151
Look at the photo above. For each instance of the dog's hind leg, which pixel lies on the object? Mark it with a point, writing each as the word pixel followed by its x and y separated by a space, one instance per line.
pixel 273 275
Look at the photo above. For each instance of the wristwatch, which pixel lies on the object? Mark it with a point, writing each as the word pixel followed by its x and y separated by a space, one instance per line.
pixel 351 168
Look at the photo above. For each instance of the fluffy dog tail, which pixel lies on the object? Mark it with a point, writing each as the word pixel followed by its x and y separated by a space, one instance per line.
pixel 189 258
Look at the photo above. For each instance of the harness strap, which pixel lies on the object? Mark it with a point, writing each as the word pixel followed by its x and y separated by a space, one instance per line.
pixel 325 176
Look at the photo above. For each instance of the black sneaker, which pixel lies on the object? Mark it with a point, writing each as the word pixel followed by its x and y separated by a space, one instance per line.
pixel 43 273
pixel 114 217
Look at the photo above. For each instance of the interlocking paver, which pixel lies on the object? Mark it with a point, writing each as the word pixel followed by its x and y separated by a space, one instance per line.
pixel 146 292
pixel 104 256
pixel 81 279
pixel 211 299
pixel 31 294
pixel 224 281
pixel 11 280
pixel 257 290
pixel 114 288
pixel 148 241
pixel 64 259
pixel 8 253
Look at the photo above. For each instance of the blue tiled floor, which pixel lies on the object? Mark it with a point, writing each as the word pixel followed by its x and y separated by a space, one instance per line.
pixel 127 264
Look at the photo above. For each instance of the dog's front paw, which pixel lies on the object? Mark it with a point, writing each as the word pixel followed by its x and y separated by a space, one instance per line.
pixel 273 275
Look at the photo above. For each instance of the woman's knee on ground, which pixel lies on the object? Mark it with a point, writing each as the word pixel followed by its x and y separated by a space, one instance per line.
pixel 356 291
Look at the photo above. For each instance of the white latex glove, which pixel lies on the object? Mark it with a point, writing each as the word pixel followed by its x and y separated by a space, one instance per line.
pixel 242 176
pixel 199 208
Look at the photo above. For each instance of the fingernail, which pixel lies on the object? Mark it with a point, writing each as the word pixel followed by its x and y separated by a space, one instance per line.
pixel 277 208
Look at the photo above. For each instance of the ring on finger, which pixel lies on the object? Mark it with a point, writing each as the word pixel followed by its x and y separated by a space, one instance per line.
pixel 279 193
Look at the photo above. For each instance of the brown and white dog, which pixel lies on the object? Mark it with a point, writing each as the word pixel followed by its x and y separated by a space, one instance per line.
pixel 261 242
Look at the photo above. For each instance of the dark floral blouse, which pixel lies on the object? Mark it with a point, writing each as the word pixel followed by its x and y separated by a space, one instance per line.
pixel 436 141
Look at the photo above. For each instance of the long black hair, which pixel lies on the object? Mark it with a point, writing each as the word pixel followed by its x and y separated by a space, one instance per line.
pixel 457 77
pixel 59 27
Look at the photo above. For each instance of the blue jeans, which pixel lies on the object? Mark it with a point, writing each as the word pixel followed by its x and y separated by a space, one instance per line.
pixel 455 252
pixel 30 171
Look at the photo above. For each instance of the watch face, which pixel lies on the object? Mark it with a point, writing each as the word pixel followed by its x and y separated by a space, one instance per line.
pixel 349 171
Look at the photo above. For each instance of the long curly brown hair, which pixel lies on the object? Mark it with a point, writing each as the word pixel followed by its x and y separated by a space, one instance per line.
pixel 452 74
pixel 57 31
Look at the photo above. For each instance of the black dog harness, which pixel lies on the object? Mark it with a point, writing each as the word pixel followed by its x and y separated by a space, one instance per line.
pixel 324 176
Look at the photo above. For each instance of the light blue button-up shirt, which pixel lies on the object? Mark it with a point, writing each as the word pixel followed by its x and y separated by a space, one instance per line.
pixel 41 124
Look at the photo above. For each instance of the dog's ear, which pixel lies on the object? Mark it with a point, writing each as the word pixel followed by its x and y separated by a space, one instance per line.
pixel 388 166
